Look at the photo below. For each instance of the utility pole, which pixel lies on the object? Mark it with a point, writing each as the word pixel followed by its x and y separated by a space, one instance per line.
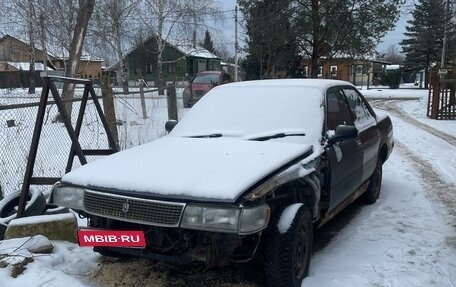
pixel 445 35
pixel 31 33
pixel 235 44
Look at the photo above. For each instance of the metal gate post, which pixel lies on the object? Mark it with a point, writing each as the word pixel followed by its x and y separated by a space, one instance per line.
pixel 33 147
pixel 48 85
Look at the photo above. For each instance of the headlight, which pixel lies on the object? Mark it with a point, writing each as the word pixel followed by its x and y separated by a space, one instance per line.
pixel 254 219
pixel 68 196
pixel 231 220
pixel 211 218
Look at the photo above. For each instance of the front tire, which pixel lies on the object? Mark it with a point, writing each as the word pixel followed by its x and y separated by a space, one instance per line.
pixel 375 184
pixel 288 254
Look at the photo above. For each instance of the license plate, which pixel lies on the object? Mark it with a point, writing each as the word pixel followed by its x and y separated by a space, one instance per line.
pixel 111 238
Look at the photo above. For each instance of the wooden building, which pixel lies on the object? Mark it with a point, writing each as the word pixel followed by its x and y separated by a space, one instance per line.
pixel 355 70
pixel 181 60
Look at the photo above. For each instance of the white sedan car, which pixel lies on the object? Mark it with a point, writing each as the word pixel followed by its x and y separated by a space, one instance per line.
pixel 249 171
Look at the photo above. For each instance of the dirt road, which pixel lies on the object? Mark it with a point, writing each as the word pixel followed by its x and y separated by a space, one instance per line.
pixel 437 186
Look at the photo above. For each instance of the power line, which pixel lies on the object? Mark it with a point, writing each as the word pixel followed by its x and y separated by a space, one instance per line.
pixel 200 13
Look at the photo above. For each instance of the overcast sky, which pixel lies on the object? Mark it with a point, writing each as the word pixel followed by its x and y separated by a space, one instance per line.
pixel 392 38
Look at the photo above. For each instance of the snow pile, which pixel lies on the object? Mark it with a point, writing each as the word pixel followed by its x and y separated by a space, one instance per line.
pixel 11 249
pixel 287 217
pixel 382 93
pixel 25 66
pixel 68 265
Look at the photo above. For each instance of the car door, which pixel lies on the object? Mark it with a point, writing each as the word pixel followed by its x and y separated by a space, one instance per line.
pixel 346 156
pixel 368 132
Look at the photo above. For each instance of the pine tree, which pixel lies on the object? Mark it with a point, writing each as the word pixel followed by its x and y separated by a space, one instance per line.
pixel 272 50
pixel 208 44
pixel 347 27
pixel 424 35
pixel 318 28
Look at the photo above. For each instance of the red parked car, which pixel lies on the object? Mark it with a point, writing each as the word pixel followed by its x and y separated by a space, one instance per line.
pixel 201 83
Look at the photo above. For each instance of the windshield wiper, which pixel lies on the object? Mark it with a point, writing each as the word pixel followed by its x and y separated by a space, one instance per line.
pixel 276 136
pixel 207 136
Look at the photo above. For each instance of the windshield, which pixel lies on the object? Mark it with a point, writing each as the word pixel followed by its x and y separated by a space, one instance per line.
pixel 206 79
pixel 249 112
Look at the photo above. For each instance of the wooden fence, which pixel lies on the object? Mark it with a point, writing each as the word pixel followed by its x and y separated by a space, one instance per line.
pixel 442 98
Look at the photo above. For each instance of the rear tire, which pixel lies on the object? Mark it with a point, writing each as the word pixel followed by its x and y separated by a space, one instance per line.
pixel 36 203
pixel 375 184
pixel 55 209
pixel 287 255
pixel 2 230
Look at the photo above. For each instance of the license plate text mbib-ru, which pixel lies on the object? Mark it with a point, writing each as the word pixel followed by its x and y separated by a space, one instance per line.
pixel 111 238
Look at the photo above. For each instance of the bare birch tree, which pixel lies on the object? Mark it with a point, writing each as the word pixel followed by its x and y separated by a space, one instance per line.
pixel 42 26
pixel 82 21
pixel 113 27
pixel 24 13
pixel 31 33
pixel 60 29
pixel 169 17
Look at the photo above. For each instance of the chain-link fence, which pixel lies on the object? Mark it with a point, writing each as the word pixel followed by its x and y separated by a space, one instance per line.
pixel 18 113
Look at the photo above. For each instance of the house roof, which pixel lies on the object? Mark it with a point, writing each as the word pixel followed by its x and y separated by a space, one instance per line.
pixel 25 42
pixel 344 56
pixel 54 51
pixel 186 47
pixel 381 62
pixel 189 48
pixel 356 58
pixel 227 64
pixel 393 67
pixel 25 66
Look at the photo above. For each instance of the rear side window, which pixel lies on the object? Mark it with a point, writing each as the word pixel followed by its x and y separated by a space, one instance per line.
pixel 361 114
pixel 337 111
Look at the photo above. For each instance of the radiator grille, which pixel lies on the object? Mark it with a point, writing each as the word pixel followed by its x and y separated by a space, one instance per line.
pixel 132 209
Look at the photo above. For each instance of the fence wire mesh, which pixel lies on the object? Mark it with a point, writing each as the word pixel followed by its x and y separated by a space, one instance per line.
pixel 17 121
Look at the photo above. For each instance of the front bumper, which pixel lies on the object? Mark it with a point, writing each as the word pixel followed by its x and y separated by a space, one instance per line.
pixel 224 218
pixel 182 246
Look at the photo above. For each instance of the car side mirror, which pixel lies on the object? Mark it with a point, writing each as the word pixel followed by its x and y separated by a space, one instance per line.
pixel 169 125
pixel 344 132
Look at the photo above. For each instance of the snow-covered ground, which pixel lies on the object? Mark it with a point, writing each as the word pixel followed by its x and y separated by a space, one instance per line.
pixel 408 238
pixel 405 239
pixel 411 102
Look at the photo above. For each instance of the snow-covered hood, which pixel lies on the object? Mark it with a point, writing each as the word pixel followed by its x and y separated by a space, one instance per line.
pixel 188 168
